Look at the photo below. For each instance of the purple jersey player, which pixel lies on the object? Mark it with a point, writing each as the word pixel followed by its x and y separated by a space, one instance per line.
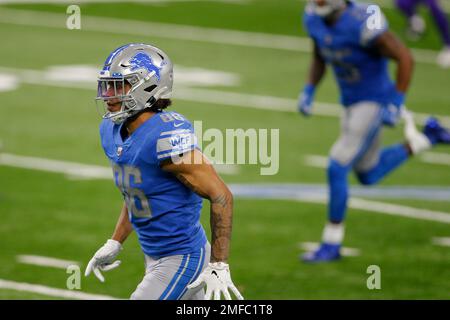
pixel 417 24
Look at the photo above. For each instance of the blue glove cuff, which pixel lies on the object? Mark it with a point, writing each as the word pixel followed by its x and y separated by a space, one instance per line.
pixel 398 99
pixel 309 89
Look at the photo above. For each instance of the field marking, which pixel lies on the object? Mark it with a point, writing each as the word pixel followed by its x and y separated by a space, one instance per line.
pixel 436 158
pixel 8 82
pixel 177 31
pixel 289 190
pixel 56 166
pixel 320 197
pixel 262 191
pixel 76 170
pixel 87 74
pixel 271 103
pixel 52 292
pixel 45 261
pixel 319 161
pixel 316 161
pixel 441 241
pixel 187 76
pixel 399 210
pixel 345 251
pixel 112 1
pixel 293 191
pixel 182 92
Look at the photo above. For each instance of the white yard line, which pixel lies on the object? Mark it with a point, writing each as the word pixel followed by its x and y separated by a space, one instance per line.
pixel 384 208
pixel 45 261
pixel 78 170
pixel 243 100
pixel 112 1
pixel 436 158
pixel 254 101
pixel 97 172
pixel 441 241
pixel 52 292
pixel 399 210
pixel 345 251
pixel 316 161
pixel 319 161
pixel 56 166
pixel 176 31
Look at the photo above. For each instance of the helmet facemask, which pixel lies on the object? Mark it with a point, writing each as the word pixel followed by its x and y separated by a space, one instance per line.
pixel 112 90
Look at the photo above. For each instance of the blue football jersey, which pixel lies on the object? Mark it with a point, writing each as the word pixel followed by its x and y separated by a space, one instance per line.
pixel 164 213
pixel 361 72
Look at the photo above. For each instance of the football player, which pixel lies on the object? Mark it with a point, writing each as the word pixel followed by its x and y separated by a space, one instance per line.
pixel 163 177
pixel 358 50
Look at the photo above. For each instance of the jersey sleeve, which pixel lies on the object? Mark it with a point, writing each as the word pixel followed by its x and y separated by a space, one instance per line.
pixel 308 20
pixel 373 26
pixel 177 137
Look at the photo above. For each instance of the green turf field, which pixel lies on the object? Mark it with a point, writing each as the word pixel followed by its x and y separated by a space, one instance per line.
pixel 53 215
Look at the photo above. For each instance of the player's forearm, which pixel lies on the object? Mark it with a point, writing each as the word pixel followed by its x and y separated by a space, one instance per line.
pixel 203 180
pixel 390 46
pixel 221 225
pixel 317 68
pixel 123 226
pixel 405 68
pixel 316 72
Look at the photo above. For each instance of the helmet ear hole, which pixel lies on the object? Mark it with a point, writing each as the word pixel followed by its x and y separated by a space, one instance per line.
pixel 151 101
pixel 150 88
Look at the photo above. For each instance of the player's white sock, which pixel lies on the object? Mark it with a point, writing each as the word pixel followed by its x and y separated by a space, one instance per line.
pixel 417 24
pixel 333 233
pixel 417 141
pixel 443 58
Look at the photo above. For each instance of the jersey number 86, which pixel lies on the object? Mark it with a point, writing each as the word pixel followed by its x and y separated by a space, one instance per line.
pixel 135 198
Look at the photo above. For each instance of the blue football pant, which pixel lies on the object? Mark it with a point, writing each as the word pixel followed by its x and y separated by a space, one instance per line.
pixel 358 148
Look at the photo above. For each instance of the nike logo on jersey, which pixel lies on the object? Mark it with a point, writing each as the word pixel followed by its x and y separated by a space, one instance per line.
pixel 176 125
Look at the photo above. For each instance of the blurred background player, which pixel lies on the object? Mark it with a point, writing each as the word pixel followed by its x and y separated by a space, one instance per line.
pixel 162 175
pixel 416 24
pixel 358 52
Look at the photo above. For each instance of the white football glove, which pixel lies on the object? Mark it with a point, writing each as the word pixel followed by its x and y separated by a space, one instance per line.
pixel 104 259
pixel 217 279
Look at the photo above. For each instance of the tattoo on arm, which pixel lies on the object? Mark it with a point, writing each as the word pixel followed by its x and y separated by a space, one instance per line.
pixel 221 227
pixel 221 219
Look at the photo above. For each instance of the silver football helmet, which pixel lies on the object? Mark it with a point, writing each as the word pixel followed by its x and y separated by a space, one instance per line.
pixel 143 71
pixel 327 8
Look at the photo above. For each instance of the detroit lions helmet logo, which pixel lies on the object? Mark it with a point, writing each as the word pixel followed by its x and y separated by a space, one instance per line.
pixel 142 60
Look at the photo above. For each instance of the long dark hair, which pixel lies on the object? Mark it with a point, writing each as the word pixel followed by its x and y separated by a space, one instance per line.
pixel 160 105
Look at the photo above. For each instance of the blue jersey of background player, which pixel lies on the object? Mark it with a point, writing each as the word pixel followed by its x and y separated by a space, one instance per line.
pixel 348 46
pixel 162 176
pixel 355 41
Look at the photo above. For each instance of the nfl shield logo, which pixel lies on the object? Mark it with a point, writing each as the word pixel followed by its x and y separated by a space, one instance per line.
pixel 119 151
